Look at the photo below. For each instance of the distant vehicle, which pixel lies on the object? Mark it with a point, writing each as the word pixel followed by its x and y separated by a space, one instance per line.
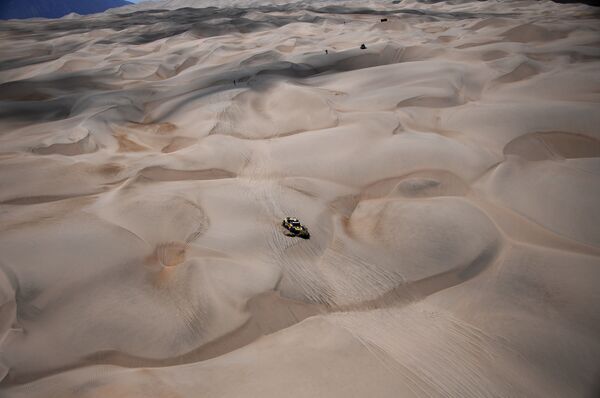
pixel 294 228
pixel 363 47
pixel 383 19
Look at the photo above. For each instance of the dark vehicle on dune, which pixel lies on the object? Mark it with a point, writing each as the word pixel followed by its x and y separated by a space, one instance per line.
pixel 294 228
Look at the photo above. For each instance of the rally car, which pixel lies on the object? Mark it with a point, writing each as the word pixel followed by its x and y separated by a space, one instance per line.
pixel 294 228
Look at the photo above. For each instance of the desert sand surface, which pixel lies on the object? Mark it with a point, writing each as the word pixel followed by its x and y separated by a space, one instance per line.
pixel 448 173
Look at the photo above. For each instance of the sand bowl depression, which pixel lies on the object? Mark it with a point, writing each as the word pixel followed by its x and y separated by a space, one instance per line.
pixel 448 173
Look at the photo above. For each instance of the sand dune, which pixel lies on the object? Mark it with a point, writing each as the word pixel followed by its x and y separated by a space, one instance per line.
pixel 448 174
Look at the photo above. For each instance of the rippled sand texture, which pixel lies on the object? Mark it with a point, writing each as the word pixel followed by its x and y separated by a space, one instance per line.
pixel 449 175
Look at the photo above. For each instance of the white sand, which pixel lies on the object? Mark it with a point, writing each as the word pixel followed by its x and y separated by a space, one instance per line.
pixel 449 175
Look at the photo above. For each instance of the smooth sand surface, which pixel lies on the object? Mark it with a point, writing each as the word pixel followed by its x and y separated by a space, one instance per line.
pixel 449 175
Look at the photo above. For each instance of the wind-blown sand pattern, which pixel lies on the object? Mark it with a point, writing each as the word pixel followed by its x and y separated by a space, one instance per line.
pixel 449 175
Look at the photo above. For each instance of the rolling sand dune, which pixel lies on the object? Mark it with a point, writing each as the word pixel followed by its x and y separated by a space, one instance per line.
pixel 449 175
